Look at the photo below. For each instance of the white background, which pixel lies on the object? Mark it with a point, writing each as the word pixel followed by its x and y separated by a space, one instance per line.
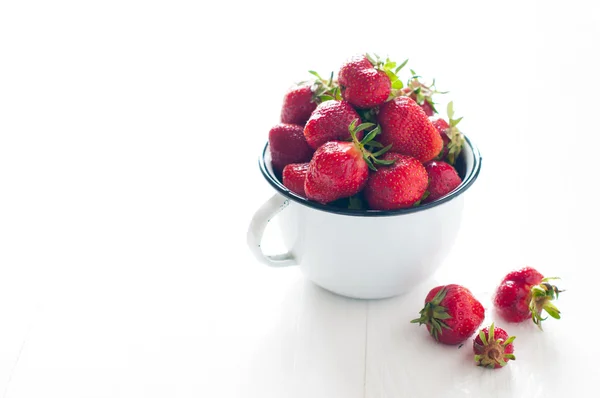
pixel 129 134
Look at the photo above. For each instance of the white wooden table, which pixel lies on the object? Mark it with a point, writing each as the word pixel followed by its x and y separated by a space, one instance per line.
pixel 128 178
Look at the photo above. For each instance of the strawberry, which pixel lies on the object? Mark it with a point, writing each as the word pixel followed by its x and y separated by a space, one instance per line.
pixel 362 84
pixel 524 294
pixel 294 175
pixel 340 169
pixel 451 136
pixel 298 103
pixel 406 127
pixel 443 179
pixel 442 127
pixel 421 93
pixel 493 348
pixel 451 314
pixel 397 186
pixel 288 145
pixel 329 122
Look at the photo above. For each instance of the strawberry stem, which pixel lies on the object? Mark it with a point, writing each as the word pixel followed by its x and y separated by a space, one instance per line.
pixel 541 300
pixel 433 314
pixel 369 157
pixel 492 350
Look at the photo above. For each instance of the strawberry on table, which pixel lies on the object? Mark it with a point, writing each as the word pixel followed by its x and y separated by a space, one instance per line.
pixel 288 145
pixel 451 313
pixel 329 122
pixel 493 347
pixel 397 186
pixel 524 294
pixel 407 128
pixel 340 169
pixel 443 179
pixel 294 175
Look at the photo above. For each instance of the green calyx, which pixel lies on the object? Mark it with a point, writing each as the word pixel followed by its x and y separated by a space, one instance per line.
pixel 492 351
pixel 541 300
pixel 457 140
pixel 391 69
pixel 369 148
pixel 434 314
pixel 425 196
pixel 325 89
pixel 421 92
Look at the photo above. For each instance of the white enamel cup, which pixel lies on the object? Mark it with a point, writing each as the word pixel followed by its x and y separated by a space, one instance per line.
pixel 366 254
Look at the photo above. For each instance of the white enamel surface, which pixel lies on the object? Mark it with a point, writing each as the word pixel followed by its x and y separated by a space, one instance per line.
pixel 261 219
pixel 124 266
pixel 370 257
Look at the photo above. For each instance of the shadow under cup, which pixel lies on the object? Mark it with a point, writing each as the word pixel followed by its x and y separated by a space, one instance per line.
pixel 363 254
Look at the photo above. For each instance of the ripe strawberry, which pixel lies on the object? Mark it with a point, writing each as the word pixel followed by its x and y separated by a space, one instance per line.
pixel 451 314
pixel 443 179
pixel 451 136
pixel 288 145
pixel 406 127
pixel 399 185
pixel 421 93
pixel 340 169
pixel 294 176
pixel 524 294
pixel 442 127
pixel 298 103
pixel 329 122
pixel 493 348
pixel 362 84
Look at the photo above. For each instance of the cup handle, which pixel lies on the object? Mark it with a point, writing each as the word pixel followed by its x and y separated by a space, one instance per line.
pixel 257 228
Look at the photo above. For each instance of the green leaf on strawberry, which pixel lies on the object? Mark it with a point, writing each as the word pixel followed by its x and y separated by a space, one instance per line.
pixel 457 140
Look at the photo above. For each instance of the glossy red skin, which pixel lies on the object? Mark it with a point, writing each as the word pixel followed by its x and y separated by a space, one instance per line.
pixel 288 145
pixel 362 85
pixel 513 296
pixel 329 122
pixel 298 104
pixel 397 186
pixel 466 311
pixel 409 130
pixel 443 179
pixel 427 108
pixel 337 170
pixel 294 176
pixel 442 126
pixel 499 333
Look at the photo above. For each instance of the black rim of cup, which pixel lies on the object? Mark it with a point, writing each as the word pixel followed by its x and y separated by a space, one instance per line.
pixel 466 183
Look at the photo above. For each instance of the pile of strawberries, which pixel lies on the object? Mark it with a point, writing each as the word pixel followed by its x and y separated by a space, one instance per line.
pixel 366 140
pixel 452 314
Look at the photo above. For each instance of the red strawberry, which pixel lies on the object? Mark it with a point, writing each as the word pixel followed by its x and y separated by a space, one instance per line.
pixel 406 127
pixel 421 93
pixel 399 185
pixel 298 103
pixel 442 127
pixel 451 314
pixel 340 169
pixel 337 170
pixel 288 145
pixel 329 122
pixel 493 348
pixel 524 294
pixel 443 179
pixel 452 137
pixel 362 84
pixel 294 176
